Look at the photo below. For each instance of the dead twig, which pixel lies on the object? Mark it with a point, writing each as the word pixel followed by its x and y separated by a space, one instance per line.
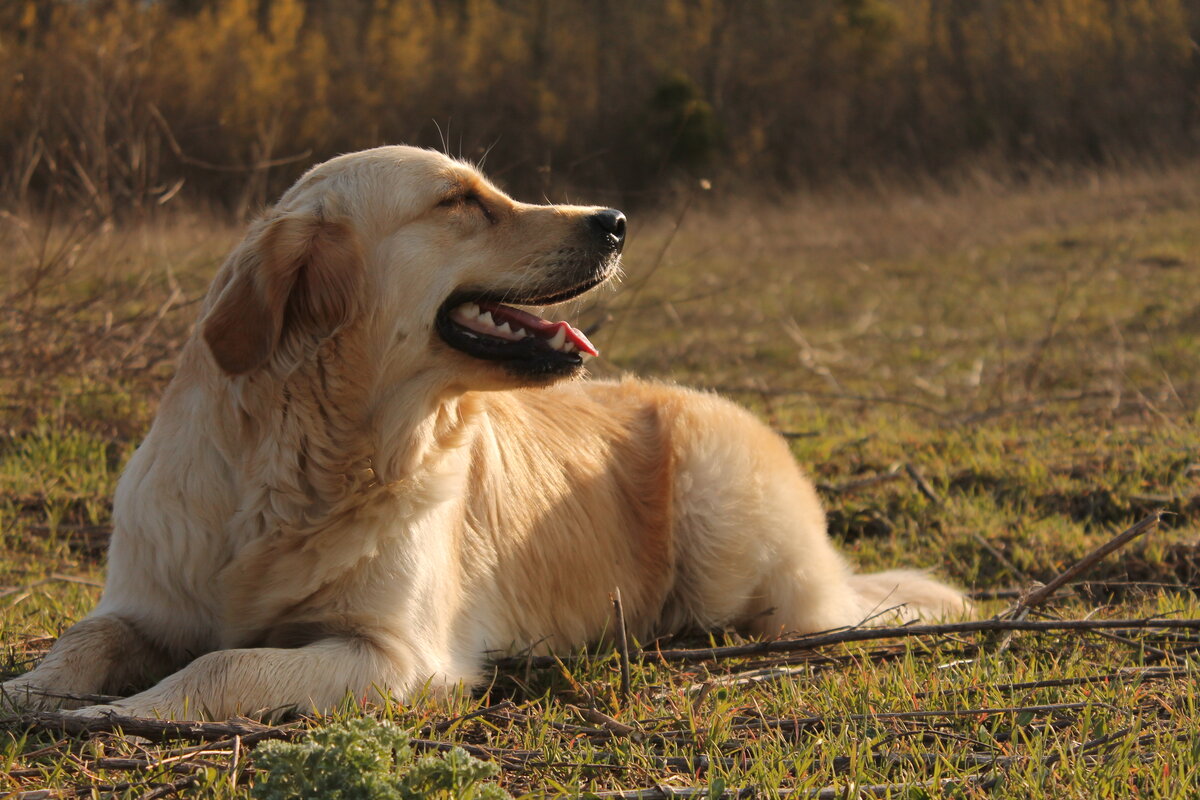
pixel 1093 587
pixel 622 642
pixel 1091 745
pixel 239 731
pixel 1125 675
pixel 136 344
pixel 608 723
pixel 940 787
pixel 1134 643
pixel 169 789
pixel 154 729
pixel 800 723
pixel 1016 571
pixel 11 590
pixel 446 725
pixel 698 763
pixel 89 698
pixel 922 485
pixel 632 295
pixel 892 473
pixel 76 579
pixel 233 763
pixel 508 758
pixel 798 434
pixel 872 634
pixel 820 395
pixel 1043 593
pixel 173 144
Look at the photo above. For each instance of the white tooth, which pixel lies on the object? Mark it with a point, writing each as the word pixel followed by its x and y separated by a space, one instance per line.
pixel 469 310
pixel 504 329
pixel 486 319
pixel 586 357
pixel 570 348
pixel 559 339
pixel 520 333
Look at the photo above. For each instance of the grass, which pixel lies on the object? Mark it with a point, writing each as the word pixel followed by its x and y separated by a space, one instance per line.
pixel 1030 351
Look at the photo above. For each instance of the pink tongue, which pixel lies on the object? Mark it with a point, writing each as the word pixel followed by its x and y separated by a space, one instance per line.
pixel 536 325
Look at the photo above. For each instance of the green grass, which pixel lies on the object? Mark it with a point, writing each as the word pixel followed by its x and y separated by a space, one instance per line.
pixel 1030 351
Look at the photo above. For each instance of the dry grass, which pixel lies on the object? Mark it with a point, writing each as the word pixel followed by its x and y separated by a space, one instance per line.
pixel 1029 351
pixel 128 104
pixel 956 301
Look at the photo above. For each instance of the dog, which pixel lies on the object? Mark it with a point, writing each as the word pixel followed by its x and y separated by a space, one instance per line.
pixel 373 472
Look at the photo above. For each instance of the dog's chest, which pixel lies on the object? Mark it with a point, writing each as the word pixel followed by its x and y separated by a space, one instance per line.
pixel 354 574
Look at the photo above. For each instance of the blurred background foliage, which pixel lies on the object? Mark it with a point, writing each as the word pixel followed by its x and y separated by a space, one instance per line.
pixel 122 104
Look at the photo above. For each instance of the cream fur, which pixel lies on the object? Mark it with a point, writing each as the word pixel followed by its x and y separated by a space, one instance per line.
pixel 332 501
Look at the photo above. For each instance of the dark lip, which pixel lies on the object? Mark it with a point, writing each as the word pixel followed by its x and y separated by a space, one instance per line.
pixel 531 358
pixel 514 297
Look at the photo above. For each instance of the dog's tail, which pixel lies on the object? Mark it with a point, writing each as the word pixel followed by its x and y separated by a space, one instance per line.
pixel 797 601
pixel 904 595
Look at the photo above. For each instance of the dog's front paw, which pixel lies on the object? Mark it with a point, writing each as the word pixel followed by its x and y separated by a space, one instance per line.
pixel 136 707
pixel 21 695
pixel 17 696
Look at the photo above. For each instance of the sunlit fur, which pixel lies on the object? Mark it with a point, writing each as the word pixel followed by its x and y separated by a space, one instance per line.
pixel 332 501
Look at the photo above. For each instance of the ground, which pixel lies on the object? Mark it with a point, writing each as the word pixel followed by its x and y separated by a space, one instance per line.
pixel 988 380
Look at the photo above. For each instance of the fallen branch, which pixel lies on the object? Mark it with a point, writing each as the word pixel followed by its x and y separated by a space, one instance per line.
pixel 613 726
pixel 24 590
pixel 1004 560
pixel 798 724
pixel 136 344
pixel 446 725
pixel 795 726
pixel 922 485
pixel 508 758
pixel 622 642
pixel 154 729
pixel 166 790
pixel 173 144
pixel 240 729
pixel 892 473
pixel 873 634
pixel 1041 594
pixel 940 787
pixel 1124 676
pixel 698 763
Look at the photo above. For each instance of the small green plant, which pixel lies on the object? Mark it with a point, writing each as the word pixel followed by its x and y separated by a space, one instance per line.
pixel 368 759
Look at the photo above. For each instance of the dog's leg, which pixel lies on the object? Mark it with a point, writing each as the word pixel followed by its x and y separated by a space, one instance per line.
pixel 258 680
pixel 103 654
pixel 755 543
pixel 810 587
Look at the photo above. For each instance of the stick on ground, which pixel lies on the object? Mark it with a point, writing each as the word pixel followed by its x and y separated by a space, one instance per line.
pixel 1040 595
pixel 622 642
pixel 922 485
pixel 871 634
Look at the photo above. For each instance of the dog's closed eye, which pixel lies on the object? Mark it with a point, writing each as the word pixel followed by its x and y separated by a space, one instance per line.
pixel 467 198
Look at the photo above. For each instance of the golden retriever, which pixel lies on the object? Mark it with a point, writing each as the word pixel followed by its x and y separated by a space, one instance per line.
pixel 371 472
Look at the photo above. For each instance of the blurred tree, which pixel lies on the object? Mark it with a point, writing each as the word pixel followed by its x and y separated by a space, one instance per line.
pixel 683 129
pixel 114 101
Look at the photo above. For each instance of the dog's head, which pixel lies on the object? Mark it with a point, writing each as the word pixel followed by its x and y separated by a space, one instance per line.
pixel 423 257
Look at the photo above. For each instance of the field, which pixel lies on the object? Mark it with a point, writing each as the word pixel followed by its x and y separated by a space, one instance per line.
pixel 989 380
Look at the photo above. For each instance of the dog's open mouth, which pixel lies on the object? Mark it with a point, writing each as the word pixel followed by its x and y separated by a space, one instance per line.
pixel 508 324
pixel 483 327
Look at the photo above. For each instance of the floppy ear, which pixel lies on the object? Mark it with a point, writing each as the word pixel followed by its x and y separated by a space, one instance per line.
pixel 294 274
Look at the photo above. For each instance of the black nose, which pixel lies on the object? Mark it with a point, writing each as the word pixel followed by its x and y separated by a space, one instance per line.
pixel 611 224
